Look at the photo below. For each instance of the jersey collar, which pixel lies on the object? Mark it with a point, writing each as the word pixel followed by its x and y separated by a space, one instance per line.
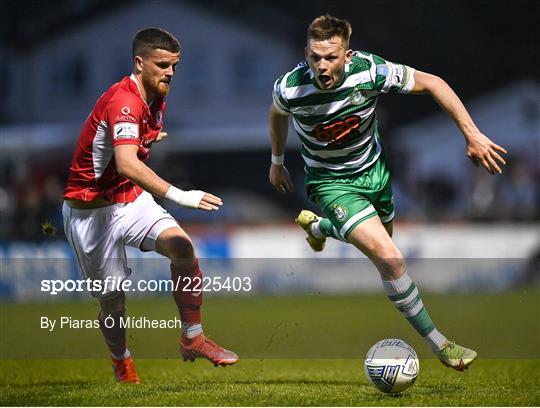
pixel 134 79
pixel 155 105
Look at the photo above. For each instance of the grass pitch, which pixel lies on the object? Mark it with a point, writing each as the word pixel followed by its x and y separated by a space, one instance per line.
pixel 300 351
pixel 264 383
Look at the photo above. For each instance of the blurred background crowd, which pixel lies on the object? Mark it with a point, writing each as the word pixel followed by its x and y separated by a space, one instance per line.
pixel 59 56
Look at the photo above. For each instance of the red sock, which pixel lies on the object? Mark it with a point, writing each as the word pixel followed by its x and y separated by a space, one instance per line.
pixel 188 293
pixel 115 336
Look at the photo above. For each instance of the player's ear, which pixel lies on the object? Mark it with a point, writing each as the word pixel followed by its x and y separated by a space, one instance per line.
pixel 348 55
pixel 138 62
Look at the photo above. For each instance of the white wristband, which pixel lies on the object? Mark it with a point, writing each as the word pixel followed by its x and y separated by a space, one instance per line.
pixel 278 160
pixel 189 199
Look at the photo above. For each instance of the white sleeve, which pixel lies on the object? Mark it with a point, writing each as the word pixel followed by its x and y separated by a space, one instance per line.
pixel 399 78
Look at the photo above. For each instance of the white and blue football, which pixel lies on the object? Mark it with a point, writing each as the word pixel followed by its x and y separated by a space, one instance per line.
pixel 391 365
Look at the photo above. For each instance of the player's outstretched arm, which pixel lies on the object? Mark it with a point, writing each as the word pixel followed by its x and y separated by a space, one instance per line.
pixel 279 175
pixel 129 166
pixel 480 148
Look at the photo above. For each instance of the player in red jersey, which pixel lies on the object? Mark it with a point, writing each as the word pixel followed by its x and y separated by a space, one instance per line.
pixel 109 204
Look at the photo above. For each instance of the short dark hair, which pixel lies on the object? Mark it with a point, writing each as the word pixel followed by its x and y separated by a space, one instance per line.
pixel 326 26
pixel 148 39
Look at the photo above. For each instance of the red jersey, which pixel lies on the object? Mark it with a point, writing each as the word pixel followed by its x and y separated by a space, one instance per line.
pixel 120 116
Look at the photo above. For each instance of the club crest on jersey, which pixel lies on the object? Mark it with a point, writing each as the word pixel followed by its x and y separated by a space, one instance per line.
pixel 340 213
pixel 358 97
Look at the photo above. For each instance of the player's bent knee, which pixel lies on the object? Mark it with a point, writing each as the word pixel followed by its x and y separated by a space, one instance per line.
pixel 182 248
pixel 176 246
pixel 391 264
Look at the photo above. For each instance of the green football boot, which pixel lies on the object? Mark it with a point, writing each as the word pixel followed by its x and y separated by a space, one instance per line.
pixel 305 219
pixel 455 356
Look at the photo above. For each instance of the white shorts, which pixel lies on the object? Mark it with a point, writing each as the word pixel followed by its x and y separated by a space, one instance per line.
pixel 98 236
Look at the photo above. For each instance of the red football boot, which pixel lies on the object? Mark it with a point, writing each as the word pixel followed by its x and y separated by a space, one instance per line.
pixel 124 371
pixel 202 346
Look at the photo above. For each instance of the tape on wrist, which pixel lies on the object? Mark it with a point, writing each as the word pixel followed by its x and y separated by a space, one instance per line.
pixel 278 160
pixel 189 199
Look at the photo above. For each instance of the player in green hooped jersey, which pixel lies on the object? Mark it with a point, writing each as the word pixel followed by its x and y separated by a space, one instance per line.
pixel 331 99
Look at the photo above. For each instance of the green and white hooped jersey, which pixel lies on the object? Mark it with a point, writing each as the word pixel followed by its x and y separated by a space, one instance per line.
pixel 338 126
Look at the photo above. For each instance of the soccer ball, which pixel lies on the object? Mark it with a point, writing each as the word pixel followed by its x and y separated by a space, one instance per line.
pixel 391 365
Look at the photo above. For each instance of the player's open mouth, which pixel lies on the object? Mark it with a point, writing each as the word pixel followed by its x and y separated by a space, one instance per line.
pixel 324 79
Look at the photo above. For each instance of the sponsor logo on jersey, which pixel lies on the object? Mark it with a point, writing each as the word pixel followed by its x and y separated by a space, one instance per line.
pixel 337 130
pixel 124 118
pixel 125 130
pixel 125 110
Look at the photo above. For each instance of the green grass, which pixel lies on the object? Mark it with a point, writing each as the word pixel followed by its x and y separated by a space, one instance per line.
pixel 263 383
pixel 300 351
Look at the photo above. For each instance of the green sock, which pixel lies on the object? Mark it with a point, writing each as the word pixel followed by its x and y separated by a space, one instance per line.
pixel 406 298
